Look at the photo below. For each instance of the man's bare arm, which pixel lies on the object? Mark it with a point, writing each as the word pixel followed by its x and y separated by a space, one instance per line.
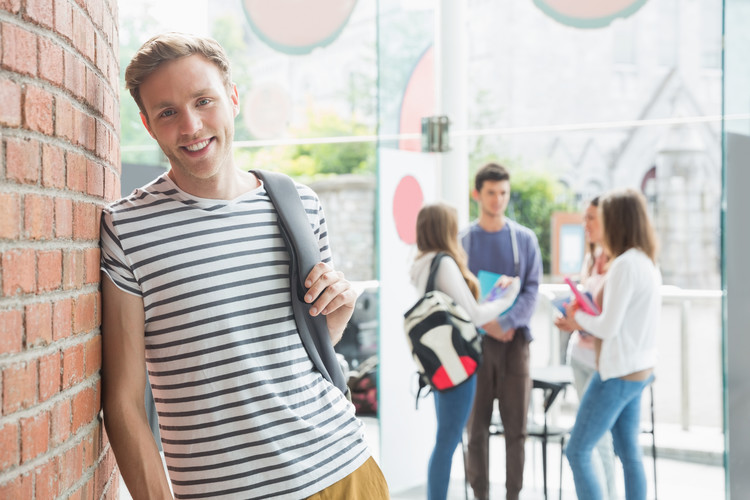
pixel 124 383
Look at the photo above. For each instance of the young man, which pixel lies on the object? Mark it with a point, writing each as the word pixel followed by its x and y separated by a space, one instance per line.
pixel 497 244
pixel 196 285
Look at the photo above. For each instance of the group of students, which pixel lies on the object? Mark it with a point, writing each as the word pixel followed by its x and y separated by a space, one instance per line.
pixel 612 354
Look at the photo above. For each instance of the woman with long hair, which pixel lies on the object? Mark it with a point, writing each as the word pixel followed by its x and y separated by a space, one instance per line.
pixel 582 345
pixel 437 231
pixel 627 327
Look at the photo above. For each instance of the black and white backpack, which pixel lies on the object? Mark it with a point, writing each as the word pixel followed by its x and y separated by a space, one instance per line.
pixel 444 342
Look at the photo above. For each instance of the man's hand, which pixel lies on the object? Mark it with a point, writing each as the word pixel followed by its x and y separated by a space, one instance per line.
pixel 332 296
pixel 496 331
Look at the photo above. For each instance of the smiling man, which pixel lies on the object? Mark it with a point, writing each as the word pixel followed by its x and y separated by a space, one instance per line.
pixel 196 288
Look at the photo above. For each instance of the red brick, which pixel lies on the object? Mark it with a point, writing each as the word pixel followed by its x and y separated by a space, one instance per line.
pixel 53 166
pixel 76 174
pixel 18 487
pixel 38 324
pixel 64 112
pixel 83 34
pixel 34 436
pixel 84 313
pixel 89 454
pixel 96 11
pixel 62 319
pixel 64 18
pixel 40 11
pixel 91 265
pixel 10 96
pixel 39 217
pixel 93 356
pixel 94 179
pixel 19 272
pixel 102 54
pixel 72 366
pixel 19 49
pixel 10 222
pixel 71 467
pixel 49 270
pixel 63 218
pixel 94 90
pixel 84 129
pixel 75 74
pixel 61 418
pixel 22 160
pixel 11 326
pixel 50 56
pixel 45 480
pixel 109 108
pixel 12 6
pixel 19 387
pixel 85 221
pixel 102 139
pixel 38 106
pixel 10 451
pixel 84 409
pixel 72 269
pixel 49 376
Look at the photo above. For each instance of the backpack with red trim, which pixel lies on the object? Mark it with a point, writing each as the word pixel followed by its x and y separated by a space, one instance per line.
pixel 444 342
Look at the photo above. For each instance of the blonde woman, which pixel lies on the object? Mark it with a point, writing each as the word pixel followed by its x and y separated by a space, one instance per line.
pixel 627 327
pixel 437 231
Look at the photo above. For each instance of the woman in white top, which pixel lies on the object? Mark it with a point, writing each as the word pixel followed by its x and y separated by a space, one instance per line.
pixel 437 231
pixel 581 348
pixel 627 327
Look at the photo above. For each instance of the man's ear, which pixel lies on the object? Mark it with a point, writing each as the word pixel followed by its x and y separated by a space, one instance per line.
pixel 234 96
pixel 475 194
pixel 144 119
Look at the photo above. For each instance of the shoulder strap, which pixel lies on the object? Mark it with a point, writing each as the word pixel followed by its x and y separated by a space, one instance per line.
pixel 304 253
pixel 433 271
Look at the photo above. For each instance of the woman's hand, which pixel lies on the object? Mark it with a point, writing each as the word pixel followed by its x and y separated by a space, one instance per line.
pixel 565 324
pixel 570 311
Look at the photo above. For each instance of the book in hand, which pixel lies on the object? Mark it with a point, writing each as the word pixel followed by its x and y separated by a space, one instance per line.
pixel 489 289
pixel 584 300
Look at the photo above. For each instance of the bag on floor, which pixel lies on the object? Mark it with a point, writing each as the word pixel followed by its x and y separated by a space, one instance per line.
pixel 444 342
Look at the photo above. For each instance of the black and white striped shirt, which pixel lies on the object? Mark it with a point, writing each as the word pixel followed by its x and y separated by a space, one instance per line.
pixel 242 411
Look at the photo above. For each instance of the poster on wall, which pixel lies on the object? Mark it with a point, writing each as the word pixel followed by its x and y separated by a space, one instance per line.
pixel 407 180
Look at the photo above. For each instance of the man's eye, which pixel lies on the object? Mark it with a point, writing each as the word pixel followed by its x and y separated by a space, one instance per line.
pixel 203 102
pixel 167 113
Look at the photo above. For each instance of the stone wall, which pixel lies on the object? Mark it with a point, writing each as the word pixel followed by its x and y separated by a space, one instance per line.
pixel 349 205
pixel 59 164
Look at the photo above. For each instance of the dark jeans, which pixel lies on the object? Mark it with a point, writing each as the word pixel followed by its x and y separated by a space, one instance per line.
pixel 503 375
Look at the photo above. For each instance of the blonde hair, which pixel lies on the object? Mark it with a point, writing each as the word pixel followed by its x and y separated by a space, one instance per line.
pixel 626 225
pixel 168 47
pixel 437 231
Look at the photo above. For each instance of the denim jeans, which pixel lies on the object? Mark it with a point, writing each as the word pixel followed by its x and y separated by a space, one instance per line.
pixel 603 457
pixel 452 408
pixel 615 405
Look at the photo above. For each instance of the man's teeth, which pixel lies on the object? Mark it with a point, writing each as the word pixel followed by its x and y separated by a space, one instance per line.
pixel 198 145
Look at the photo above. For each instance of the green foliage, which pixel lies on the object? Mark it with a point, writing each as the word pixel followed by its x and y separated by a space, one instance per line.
pixel 534 197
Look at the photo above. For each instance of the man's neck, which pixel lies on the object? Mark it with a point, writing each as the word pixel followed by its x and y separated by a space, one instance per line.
pixel 492 224
pixel 229 186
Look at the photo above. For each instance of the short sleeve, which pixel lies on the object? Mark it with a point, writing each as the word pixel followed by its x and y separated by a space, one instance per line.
pixel 113 260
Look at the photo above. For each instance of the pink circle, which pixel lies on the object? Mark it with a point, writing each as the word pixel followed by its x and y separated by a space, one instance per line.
pixel 407 200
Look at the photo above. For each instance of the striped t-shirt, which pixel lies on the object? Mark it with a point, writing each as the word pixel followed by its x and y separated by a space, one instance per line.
pixel 242 411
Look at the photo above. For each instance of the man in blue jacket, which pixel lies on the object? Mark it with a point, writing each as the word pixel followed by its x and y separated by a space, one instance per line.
pixel 495 243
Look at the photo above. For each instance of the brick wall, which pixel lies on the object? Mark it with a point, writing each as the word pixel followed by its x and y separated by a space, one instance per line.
pixel 59 163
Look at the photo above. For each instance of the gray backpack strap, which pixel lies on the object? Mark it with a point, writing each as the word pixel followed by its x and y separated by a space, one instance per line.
pixel 304 254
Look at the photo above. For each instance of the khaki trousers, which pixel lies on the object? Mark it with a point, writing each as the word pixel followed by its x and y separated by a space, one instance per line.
pixel 503 375
pixel 365 483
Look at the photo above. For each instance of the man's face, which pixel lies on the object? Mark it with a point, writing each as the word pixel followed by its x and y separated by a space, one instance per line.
pixel 190 113
pixel 493 198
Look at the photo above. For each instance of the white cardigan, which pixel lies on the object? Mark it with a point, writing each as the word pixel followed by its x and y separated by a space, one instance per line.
pixel 630 315
pixel 450 281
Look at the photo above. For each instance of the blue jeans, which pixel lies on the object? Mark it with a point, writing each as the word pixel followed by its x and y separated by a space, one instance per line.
pixel 452 408
pixel 615 405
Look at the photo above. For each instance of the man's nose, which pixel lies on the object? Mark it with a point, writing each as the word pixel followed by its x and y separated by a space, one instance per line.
pixel 191 122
